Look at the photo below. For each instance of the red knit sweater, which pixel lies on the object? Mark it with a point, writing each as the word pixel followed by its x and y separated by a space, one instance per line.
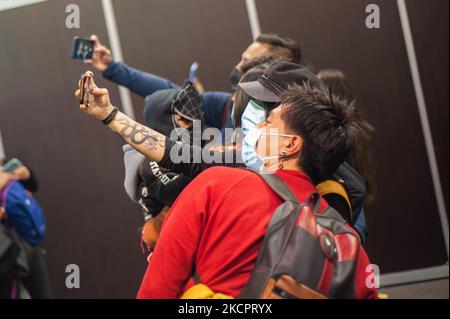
pixel 217 224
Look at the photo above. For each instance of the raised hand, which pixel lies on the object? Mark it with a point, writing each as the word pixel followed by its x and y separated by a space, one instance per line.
pixel 21 173
pixel 101 57
pixel 98 104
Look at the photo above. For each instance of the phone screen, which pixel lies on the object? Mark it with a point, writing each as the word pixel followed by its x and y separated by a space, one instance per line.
pixel 12 165
pixel 82 48
pixel 193 71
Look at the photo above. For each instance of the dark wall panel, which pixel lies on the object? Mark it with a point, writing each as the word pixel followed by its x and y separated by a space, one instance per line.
pixel 91 222
pixel 164 37
pixel 405 232
pixel 429 26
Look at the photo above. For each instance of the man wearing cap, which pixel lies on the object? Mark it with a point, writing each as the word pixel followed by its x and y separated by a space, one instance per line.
pixel 277 79
pixel 268 89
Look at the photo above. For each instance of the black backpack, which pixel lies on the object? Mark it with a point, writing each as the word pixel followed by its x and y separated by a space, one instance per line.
pixel 305 254
pixel 345 191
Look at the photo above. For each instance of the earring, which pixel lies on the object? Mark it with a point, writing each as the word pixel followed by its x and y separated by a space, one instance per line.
pixel 280 161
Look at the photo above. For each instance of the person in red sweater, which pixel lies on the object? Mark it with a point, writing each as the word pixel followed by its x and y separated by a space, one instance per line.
pixel 217 225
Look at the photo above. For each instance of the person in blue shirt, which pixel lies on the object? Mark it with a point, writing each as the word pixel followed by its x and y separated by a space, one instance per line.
pixel 216 105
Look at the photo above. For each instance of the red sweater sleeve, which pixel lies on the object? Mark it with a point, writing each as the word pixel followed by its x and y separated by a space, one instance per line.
pixel 171 265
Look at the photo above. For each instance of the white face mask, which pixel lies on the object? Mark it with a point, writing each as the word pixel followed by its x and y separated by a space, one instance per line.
pixel 249 154
pixel 252 116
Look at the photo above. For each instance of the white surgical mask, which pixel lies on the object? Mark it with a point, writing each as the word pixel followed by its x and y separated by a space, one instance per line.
pixel 252 116
pixel 249 155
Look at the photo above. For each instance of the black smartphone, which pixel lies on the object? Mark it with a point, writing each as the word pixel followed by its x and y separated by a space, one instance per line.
pixel 82 48
pixel 84 89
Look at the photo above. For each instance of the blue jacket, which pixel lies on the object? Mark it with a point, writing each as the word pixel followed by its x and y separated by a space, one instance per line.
pixel 143 84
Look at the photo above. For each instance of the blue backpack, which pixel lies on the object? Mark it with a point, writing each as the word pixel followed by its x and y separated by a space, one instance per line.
pixel 23 212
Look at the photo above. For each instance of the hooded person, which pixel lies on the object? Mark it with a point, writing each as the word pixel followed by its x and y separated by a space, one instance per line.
pixel 175 112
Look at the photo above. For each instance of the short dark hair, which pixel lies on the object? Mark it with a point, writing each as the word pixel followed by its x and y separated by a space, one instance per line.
pixel 336 81
pixel 328 124
pixel 283 46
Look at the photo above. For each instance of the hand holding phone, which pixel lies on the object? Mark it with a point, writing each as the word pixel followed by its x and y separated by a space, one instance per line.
pixel 92 51
pixel 82 48
pixel 16 170
pixel 12 165
pixel 83 85
pixel 93 100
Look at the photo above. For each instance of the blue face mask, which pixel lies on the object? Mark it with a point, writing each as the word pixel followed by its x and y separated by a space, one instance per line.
pixel 249 155
pixel 252 116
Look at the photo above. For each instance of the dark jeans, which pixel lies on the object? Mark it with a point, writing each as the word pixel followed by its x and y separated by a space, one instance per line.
pixel 36 282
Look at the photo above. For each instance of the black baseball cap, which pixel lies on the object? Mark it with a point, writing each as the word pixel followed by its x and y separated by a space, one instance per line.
pixel 276 80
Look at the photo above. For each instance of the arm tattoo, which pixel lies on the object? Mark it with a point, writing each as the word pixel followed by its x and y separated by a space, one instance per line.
pixel 139 134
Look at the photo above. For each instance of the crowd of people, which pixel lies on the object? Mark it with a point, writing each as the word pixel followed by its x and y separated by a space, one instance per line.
pixel 281 164
pixel 207 209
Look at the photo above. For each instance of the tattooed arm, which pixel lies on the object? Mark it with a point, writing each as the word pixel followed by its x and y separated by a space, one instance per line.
pixel 143 139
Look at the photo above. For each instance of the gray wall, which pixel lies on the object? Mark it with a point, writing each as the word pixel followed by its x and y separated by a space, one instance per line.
pixel 91 221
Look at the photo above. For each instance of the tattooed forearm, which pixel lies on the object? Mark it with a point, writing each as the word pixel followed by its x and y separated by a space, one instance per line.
pixel 143 139
pixel 139 134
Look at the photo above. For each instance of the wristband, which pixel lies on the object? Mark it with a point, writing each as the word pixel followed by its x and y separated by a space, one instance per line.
pixel 111 116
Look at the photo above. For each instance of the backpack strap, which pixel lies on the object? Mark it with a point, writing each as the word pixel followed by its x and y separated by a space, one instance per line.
pixel 332 187
pixel 279 187
pixel 314 202
pixel 282 190
pixel 3 193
